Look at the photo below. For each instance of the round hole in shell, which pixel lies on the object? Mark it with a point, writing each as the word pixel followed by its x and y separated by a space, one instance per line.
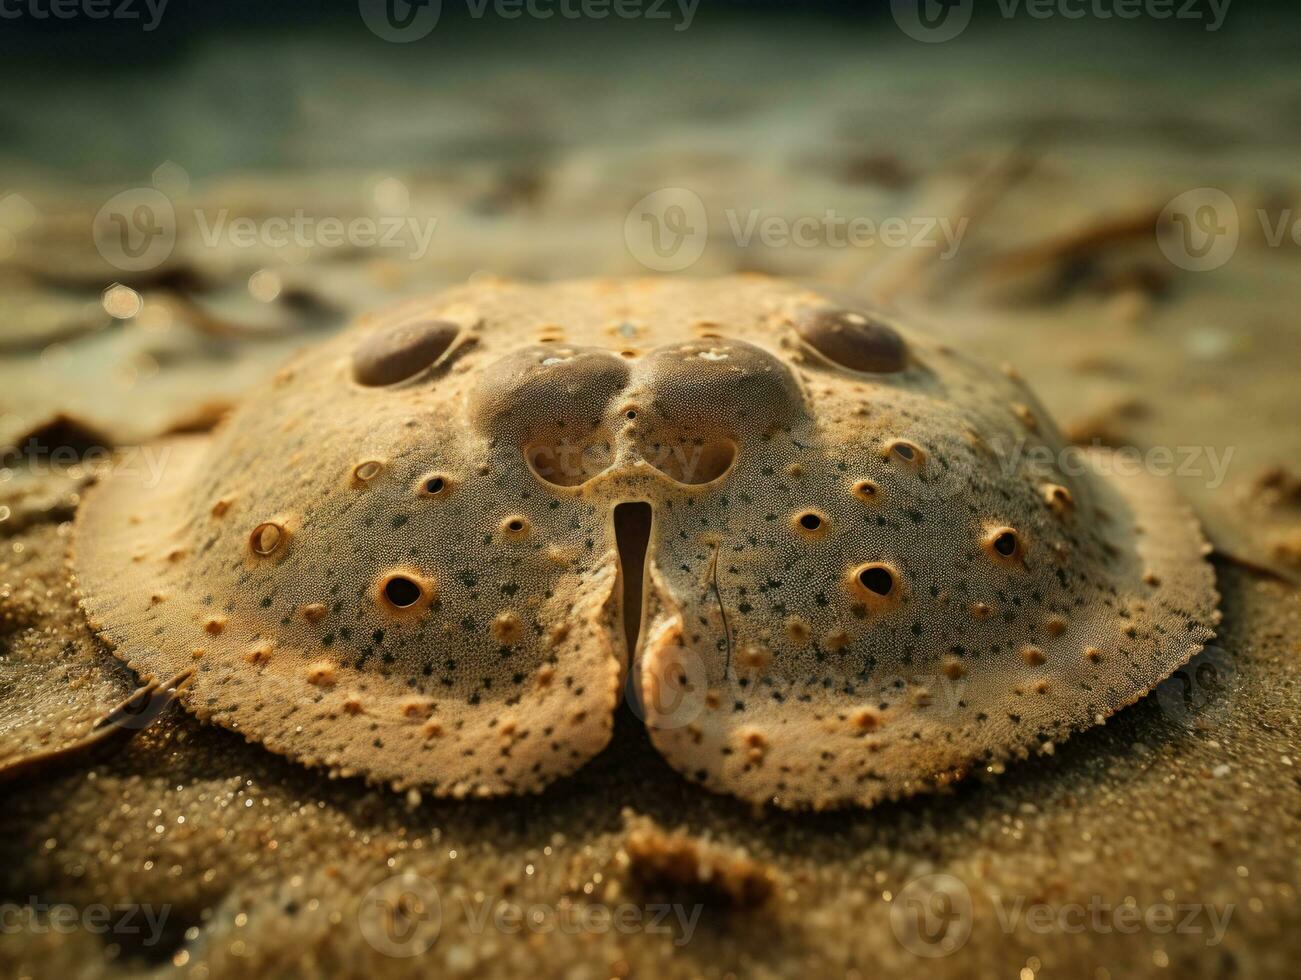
pixel 516 526
pixel 367 471
pixel 402 592
pixel 810 524
pixel 905 453
pixel 1058 498
pixel 867 490
pixel 266 538
pixel 1004 544
pixel 877 579
pixel 435 485
pixel 878 584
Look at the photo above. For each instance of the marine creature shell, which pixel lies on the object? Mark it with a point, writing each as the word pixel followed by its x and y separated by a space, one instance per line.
pixel 831 560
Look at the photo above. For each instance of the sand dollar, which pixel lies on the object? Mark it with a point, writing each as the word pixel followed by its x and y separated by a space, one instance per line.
pixel 829 579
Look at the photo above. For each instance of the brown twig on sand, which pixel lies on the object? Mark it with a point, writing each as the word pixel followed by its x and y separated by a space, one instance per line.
pixel 1078 245
pixel 203 320
pixel 909 274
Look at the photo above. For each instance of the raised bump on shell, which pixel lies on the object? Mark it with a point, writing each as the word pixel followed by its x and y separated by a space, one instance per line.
pixel 855 340
pixel 397 353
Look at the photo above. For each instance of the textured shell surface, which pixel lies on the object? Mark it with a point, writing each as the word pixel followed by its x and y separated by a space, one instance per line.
pixel 825 558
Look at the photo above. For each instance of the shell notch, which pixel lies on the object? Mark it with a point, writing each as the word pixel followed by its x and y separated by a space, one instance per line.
pixel 415 574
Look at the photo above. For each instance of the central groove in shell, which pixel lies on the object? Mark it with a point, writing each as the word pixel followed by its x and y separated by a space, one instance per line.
pixel 632 529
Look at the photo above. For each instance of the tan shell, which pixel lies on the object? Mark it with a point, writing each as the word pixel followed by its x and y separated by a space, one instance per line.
pixel 421 581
